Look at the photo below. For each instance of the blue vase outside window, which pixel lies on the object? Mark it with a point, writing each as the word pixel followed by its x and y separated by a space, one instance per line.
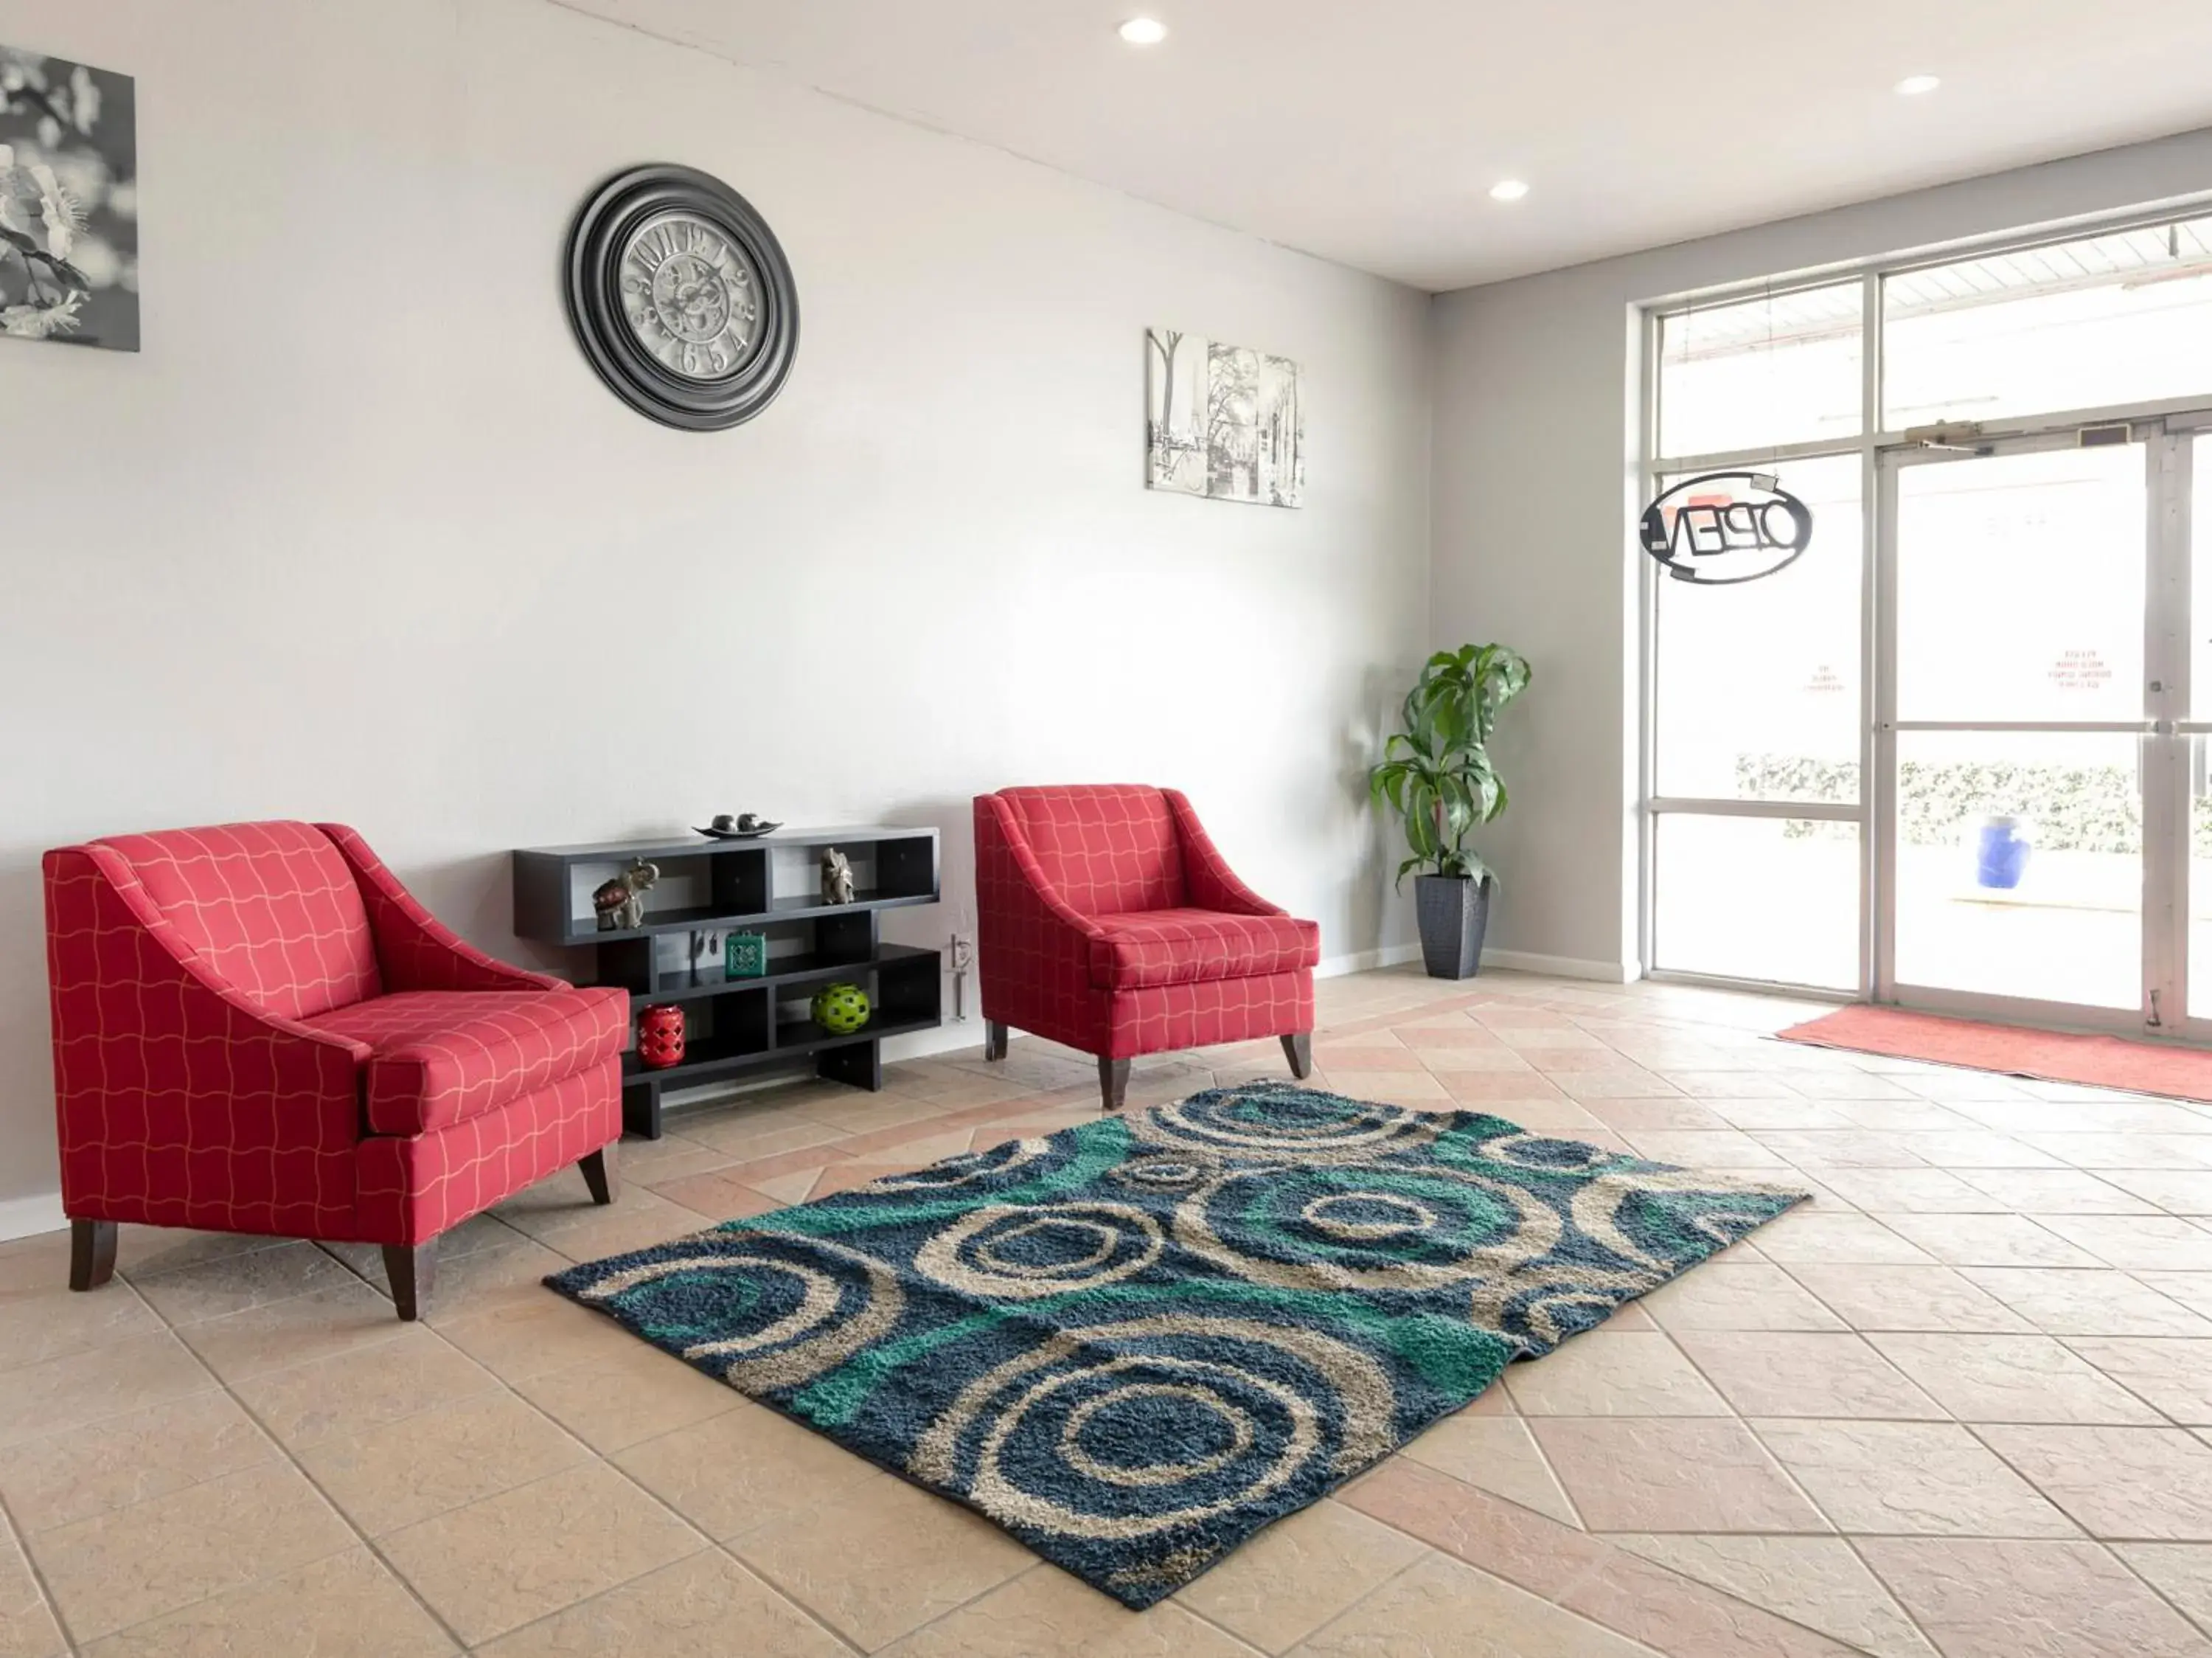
pixel 2001 854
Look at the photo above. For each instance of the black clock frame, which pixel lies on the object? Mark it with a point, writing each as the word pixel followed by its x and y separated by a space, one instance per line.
pixel 596 241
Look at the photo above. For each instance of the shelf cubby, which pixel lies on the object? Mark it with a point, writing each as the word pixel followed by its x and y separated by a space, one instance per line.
pixel 708 890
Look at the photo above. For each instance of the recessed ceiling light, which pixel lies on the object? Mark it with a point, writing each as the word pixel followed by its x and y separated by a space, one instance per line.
pixel 1508 190
pixel 1913 85
pixel 1143 31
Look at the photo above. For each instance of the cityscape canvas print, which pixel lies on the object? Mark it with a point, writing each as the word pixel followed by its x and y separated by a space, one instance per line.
pixel 1223 421
pixel 69 202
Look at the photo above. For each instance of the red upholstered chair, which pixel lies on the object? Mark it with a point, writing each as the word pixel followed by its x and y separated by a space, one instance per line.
pixel 1107 921
pixel 256 1030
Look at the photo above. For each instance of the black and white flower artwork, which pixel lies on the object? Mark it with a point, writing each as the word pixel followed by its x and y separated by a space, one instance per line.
pixel 69 202
pixel 1223 421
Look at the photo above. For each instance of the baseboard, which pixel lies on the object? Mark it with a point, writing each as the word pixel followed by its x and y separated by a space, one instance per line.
pixel 969 1033
pixel 1365 961
pixel 953 1034
pixel 1561 967
pixel 22 1217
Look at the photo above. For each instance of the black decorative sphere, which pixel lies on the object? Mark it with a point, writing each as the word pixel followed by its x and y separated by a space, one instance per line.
pixel 681 298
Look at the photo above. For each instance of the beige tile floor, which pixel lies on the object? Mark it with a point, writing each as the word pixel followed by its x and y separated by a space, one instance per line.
pixel 1961 1403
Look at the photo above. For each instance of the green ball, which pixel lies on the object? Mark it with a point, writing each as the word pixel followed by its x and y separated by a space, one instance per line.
pixel 841 1008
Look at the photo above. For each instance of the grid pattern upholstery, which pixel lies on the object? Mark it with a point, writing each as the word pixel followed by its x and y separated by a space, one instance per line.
pixel 1165 1017
pixel 1185 946
pixel 415 951
pixel 179 1102
pixel 439 1057
pixel 415 1186
pixel 1107 849
pixel 270 907
pixel 204 1076
pixel 1065 952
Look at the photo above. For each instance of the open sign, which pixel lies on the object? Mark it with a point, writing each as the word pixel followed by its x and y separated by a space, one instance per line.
pixel 1720 528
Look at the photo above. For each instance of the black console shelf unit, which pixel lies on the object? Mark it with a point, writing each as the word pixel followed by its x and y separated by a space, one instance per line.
pixel 709 889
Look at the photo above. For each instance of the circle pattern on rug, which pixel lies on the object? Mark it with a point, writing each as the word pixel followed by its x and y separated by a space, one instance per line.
pixel 1294 1123
pixel 1160 1422
pixel 1135 1342
pixel 1355 1228
pixel 762 1318
pixel 1025 1251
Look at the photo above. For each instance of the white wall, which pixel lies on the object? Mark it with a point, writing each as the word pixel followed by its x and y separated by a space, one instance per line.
pixel 359 536
pixel 1536 439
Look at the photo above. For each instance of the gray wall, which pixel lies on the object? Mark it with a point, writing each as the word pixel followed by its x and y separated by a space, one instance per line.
pixel 359 535
pixel 1536 441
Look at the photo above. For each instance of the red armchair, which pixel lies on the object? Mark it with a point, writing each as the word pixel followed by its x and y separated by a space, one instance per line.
pixel 257 1029
pixel 1107 921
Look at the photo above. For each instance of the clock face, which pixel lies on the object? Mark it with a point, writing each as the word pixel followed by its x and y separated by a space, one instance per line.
pixel 681 297
pixel 690 295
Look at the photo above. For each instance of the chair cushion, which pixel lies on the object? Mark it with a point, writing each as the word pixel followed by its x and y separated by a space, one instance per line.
pixel 440 1057
pixel 270 909
pixel 1190 947
pixel 1107 849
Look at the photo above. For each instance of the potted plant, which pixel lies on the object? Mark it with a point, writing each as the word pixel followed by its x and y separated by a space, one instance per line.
pixel 1437 774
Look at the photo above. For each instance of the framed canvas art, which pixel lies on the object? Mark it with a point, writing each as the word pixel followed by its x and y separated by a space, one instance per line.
pixel 69 202
pixel 1223 421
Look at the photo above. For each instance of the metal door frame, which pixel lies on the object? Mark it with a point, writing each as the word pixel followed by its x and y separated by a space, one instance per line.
pixel 2163 735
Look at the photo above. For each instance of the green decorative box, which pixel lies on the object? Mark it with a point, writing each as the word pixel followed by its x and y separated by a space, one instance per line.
pixel 745 956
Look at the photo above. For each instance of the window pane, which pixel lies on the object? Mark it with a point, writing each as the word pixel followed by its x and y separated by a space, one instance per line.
pixel 2200 877
pixel 1758 693
pixel 2114 318
pixel 2019 865
pixel 2200 580
pixel 1757 898
pixel 1762 371
pixel 2020 587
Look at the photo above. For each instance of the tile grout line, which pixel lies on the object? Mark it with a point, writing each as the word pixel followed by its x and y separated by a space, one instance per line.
pixel 286 1452
pixel 22 1540
pixel 1911 1618
pixel 2106 1544
pixel 593 1454
pixel 1543 1456
pixel 1427 1550
pixel 1379 1021
pixel 606 1459
pixel 1797 1485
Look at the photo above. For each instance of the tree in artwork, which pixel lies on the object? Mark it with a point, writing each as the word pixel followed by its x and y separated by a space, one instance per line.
pixel 1223 421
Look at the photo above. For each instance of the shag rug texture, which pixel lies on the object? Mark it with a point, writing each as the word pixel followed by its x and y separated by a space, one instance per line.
pixel 1134 1342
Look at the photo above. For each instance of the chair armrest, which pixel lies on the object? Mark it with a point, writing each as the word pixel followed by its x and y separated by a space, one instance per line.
pixel 415 950
pixel 166 1079
pixel 1207 876
pixel 1033 948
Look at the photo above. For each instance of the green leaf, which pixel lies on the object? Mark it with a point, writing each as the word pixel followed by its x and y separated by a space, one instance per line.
pixel 1436 773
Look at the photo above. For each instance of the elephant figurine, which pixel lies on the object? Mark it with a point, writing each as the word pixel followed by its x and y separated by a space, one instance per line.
pixel 620 903
pixel 836 877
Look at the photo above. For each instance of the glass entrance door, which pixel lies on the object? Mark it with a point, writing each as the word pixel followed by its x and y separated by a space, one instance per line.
pixel 2024 869
pixel 2184 534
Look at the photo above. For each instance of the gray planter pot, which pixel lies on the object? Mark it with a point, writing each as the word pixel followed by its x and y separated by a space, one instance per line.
pixel 1453 913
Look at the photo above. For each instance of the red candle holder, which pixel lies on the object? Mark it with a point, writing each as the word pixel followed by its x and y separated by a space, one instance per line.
pixel 660 1036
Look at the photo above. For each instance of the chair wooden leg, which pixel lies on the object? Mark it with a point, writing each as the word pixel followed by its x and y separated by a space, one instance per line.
pixel 92 1253
pixel 1299 1050
pixel 413 1271
pixel 601 1176
pixel 1114 1082
pixel 995 1040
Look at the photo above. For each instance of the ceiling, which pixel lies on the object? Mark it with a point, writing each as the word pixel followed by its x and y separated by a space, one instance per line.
pixel 1369 131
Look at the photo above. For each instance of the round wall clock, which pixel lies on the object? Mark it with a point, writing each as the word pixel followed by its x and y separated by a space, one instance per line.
pixel 682 298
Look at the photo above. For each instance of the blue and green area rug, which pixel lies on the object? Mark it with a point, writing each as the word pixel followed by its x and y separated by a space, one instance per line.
pixel 1134 1342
